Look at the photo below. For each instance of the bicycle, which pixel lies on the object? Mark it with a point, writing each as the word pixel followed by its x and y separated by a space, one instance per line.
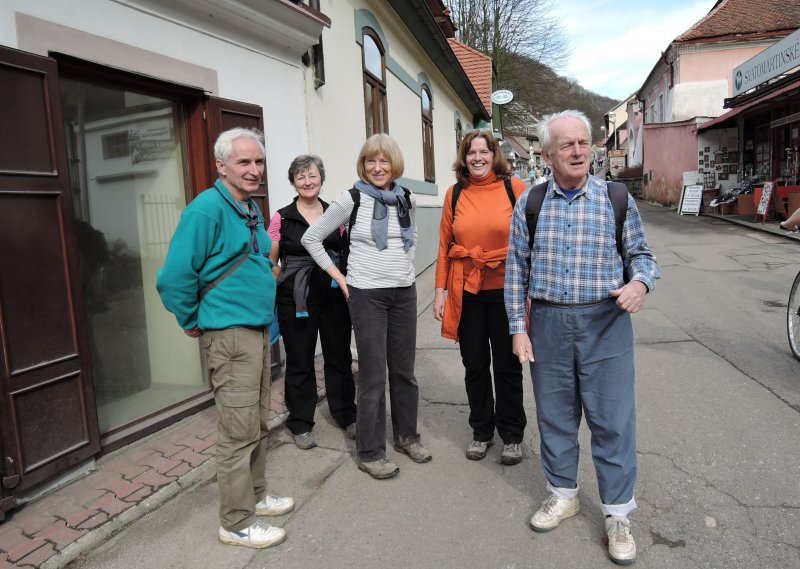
pixel 793 317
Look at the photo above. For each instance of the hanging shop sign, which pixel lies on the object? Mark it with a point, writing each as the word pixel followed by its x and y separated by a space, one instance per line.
pixel 773 61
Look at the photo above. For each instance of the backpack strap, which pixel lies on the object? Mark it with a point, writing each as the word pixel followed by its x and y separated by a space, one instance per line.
pixel 532 208
pixel 356 196
pixel 506 182
pixel 617 193
pixel 510 191
pixel 456 194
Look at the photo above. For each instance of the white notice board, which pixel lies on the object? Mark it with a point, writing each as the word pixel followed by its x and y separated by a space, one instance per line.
pixel 691 198
pixel 763 203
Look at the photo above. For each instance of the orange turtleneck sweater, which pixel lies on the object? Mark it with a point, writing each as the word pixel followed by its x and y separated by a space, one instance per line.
pixel 472 249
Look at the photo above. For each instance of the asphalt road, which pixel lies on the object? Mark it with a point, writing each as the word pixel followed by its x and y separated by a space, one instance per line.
pixel 718 395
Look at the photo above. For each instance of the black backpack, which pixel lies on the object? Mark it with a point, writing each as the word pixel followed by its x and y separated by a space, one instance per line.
pixel 355 195
pixel 457 192
pixel 617 193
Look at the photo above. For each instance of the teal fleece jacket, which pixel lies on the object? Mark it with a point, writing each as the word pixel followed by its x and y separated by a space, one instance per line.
pixel 211 236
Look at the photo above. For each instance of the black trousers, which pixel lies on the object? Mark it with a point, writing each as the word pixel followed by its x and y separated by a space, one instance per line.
pixel 484 341
pixel 332 321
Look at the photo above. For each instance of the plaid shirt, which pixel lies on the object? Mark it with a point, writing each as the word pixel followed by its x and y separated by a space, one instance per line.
pixel 574 258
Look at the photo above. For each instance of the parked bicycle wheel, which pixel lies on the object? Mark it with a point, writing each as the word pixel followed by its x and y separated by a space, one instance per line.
pixel 793 317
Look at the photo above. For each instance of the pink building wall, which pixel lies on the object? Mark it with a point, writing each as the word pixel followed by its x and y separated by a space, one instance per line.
pixel 671 150
pixel 714 65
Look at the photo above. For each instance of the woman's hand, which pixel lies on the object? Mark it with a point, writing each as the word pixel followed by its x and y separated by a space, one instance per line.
pixel 438 303
pixel 340 279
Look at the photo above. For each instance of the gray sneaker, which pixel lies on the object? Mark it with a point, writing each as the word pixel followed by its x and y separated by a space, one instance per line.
pixel 351 430
pixel 477 449
pixel 305 441
pixel 413 449
pixel 380 469
pixel 512 454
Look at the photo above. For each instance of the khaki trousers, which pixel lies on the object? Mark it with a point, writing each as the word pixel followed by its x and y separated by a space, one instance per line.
pixel 238 361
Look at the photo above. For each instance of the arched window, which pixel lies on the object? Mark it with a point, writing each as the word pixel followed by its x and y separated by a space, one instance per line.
pixel 374 63
pixel 459 134
pixel 427 133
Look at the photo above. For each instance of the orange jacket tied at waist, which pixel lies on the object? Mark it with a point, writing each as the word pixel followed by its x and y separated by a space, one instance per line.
pixel 480 260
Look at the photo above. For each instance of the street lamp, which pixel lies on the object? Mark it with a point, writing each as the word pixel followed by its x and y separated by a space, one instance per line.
pixel 612 118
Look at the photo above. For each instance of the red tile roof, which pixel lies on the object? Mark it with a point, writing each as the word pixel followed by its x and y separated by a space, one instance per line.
pixel 478 67
pixel 750 18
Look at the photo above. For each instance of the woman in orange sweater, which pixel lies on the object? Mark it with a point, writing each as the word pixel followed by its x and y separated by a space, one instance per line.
pixel 472 251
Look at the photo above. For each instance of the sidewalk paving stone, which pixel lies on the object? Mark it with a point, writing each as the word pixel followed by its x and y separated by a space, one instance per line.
pixel 53 529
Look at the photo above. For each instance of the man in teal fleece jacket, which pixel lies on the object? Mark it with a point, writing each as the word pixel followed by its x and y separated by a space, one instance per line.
pixel 217 280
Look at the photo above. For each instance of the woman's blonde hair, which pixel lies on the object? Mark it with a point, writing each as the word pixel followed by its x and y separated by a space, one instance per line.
pixel 380 144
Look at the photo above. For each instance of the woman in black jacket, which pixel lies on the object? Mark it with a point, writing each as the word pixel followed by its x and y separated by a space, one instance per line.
pixel 309 303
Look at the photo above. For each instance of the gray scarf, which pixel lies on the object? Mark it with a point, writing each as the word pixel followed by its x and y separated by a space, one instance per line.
pixel 380 219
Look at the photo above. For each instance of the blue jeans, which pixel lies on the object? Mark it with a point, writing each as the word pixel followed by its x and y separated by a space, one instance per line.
pixel 584 364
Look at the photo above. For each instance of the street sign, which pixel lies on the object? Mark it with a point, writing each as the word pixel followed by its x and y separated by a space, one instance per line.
pixel 502 96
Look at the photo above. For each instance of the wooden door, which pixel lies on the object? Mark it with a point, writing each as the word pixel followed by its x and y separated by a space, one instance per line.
pixel 224 114
pixel 48 419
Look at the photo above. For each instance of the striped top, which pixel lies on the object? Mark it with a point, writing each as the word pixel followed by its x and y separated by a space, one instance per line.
pixel 367 268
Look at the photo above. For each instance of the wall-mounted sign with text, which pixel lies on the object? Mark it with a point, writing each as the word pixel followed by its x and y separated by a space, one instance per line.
pixel 773 61
pixel 502 96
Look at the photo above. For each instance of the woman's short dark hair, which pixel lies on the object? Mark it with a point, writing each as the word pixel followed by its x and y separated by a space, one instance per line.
pixel 303 163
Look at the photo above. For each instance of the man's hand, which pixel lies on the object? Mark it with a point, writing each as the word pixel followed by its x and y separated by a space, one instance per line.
pixel 194 332
pixel 630 298
pixel 522 348
pixel 438 304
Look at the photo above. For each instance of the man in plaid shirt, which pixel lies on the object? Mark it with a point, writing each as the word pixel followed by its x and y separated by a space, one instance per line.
pixel 580 328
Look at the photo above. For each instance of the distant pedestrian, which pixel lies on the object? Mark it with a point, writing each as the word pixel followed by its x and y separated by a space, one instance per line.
pixel 217 280
pixel 572 274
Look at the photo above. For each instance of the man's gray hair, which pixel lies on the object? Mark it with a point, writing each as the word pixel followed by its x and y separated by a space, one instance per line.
pixel 224 144
pixel 305 162
pixel 546 122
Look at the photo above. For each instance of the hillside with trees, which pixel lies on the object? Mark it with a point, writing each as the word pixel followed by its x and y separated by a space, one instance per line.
pixel 524 38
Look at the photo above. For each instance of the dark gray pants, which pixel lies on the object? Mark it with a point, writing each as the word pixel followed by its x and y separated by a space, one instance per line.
pixel 385 327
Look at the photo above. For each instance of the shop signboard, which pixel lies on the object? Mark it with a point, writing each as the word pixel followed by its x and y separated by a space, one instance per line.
pixel 776 60
pixel 691 199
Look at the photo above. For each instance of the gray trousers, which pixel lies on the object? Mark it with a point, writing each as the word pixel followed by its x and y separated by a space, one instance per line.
pixel 238 361
pixel 584 364
pixel 385 327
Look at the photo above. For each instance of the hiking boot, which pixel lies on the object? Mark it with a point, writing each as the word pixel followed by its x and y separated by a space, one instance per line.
pixel 477 449
pixel 552 511
pixel 413 449
pixel 512 454
pixel 259 535
pixel 305 441
pixel 621 547
pixel 274 506
pixel 351 430
pixel 380 469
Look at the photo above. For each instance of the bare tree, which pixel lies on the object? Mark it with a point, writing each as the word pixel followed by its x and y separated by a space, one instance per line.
pixel 526 44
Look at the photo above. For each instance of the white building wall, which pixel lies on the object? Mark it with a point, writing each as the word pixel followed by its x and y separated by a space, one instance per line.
pixel 104 32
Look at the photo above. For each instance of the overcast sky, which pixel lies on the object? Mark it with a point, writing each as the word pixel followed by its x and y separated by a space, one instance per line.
pixel 616 43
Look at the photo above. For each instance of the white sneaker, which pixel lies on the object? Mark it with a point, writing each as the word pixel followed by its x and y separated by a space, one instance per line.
pixel 259 535
pixel 274 506
pixel 552 511
pixel 621 547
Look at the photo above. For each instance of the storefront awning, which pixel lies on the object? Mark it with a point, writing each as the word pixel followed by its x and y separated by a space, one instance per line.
pixel 717 122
